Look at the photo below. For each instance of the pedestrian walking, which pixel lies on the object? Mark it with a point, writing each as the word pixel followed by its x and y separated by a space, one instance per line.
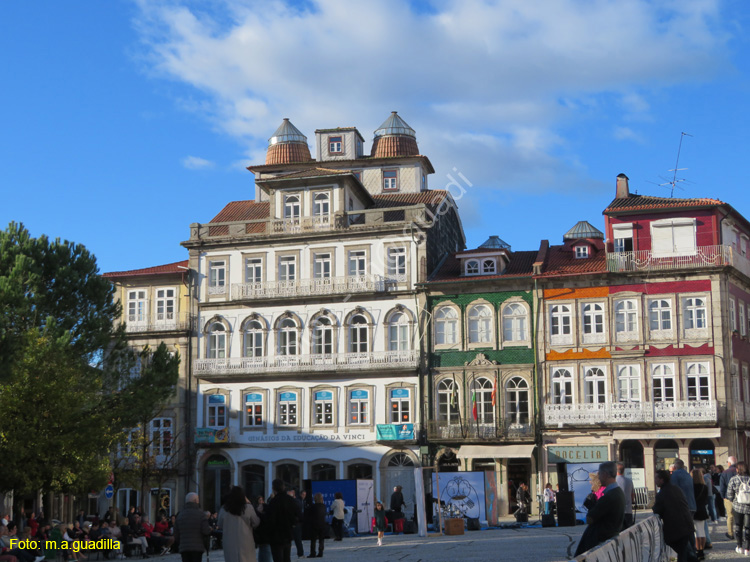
pixel 317 525
pixel 701 513
pixel 738 492
pixel 726 476
pixel 380 522
pixel 237 519
pixel 338 511
pixel 672 507
pixel 283 515
pixel 191 529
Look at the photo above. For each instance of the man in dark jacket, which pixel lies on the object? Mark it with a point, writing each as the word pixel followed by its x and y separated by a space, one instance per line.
pixel 397 499
pixel 191 529
pixel 283 515
pixel 606 517
pixel 726 476
pixel 672 507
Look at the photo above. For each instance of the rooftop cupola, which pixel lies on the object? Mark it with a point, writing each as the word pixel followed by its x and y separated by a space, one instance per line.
pixel 495 243
pixel 394 138
pixel 583 229
pixel 287 145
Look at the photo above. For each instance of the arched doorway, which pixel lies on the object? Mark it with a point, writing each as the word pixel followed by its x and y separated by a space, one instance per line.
pixel 665 452
pixel 702 453
pixel 359 471
pixel 254 479
pixel 216 481
pixel 289 474
pixel 398 470
pixel 631 454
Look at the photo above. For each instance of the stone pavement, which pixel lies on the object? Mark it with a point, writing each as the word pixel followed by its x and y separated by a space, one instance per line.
pixel 529 544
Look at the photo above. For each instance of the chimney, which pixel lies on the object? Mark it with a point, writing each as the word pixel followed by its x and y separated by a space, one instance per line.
pixel 622 187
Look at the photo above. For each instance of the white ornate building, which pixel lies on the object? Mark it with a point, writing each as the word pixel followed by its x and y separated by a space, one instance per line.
pixel 306 350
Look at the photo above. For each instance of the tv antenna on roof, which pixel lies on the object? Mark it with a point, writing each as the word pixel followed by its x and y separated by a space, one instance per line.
pixel 673 183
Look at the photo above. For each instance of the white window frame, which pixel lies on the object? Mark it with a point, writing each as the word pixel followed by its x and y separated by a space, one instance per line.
pixel 661 318
pixel 480 320
pixel 324 407
pixel 515 401
pixel 562 385
pixel 582 252
pixel 449 401
pixel 695 316
pixel 253 270
pixel 483 387
pixel 336 145
pixel 166 305
pixel 698 381
pixel 288 334
pixel 629 383
pixel 288 408
pixel 561 323
pixel 396 263
pixel 217 411
pixel 732 314
pixel 390 179
pixel 254 408
pixel 661 374
pixel 626 320
pixel 322 337
pixel 162 434
pixel 287 269
pixel 321 205
pixel 357 263
pixel 745 383
pixel 595 384
pixel 292 207
pixel 471 267
pixel 515 323
pixel 489 266
pixel 593 324
pixel 743 323
pixel 400 403
pixel 359 407
pixel 253 340
pixel 322 265
pixel 398 332
pixel 217 277
pixel 359 335
pixel 137 307
pixel 216 341
pixel 447 327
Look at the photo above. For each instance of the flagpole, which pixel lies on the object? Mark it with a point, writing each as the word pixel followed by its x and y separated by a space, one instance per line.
pixel 475 408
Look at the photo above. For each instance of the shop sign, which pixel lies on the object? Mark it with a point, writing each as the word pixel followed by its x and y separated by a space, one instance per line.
pixel 395 432
pixel 211 435
pixel 576 453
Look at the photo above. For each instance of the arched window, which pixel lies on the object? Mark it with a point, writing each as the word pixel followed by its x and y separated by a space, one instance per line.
pixel 514 323
pixel 480 324
pixel 517 401
pixel 291 207
pixel 488 266
pixel 472 267
pixel 287 337
pixel 660 315
pixel 698 387
pixel 482 407
pixel 217 341
pixel 322 337
pixel 446 326
pixel 663 382
pixel 448 401
pixel 400 459
pixel 321 205
pixel 398 332
pixel 358 335
pixel 253 344
pixel 594 383
pixel 322 471
pixel 562 386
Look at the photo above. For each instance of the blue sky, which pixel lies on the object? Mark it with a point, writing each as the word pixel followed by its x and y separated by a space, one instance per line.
pixel 124 122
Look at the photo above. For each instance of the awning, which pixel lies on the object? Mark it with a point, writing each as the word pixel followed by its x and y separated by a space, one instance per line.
pixel 687 433
pixel 496 452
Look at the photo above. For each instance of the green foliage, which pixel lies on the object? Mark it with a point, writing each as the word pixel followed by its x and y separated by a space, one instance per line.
pixel 69 383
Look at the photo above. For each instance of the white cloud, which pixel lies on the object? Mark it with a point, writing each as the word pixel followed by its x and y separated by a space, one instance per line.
pixel 626 133
pixel 196 163
pixel 487 85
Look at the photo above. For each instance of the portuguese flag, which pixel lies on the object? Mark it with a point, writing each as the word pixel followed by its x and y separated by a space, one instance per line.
pixel 474 404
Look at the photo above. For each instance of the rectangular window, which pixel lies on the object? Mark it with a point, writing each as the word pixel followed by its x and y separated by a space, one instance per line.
pixel 593 322
pixel 582 252
pixel 217 410
pixel 396 266
pixel 560 324
pixel 324 408
pixel 626 320
pixel 732 315
pixel 357 263
pixel 287 268
pixel 165 305
pixel 217 277
pixel 161 436
pixel 400 406
pixel 673 237
pixel 288 408
pixel 623 237
pixel 662 376
pixel 335 145
pixel 359 404
pixel 390 180
pixel 743 324
pixel 321 206
pixel 322 266
pixel 253 270
pixel 594 382
pixel 254 409
pixel 292 207
pixel 660 315
pixel 745 383
pixel 629 383
pixel 137 306
pixel 694 311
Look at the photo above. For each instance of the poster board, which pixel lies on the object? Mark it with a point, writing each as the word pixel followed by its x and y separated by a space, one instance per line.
pixel 580 485
pixel 358 499
pixel 464 492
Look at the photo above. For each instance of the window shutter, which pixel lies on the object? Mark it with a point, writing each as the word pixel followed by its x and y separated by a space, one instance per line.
pixel 661 240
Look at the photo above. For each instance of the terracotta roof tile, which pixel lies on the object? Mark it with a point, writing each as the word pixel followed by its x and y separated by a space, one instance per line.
pixel 170 268
pixel 433 197
pixel 243 211
pixel 647 202
pixel 562 261
pixel 311 173
pixel 520 266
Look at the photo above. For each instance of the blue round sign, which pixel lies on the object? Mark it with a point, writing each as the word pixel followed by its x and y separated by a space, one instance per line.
pixel 109 491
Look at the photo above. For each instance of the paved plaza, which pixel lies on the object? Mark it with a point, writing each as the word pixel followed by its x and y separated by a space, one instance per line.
pixel 532 544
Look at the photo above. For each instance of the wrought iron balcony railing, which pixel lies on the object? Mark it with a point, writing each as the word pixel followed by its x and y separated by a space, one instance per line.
pixel 631 412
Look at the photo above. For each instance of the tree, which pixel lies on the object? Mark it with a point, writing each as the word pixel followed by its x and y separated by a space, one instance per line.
pixel 69 383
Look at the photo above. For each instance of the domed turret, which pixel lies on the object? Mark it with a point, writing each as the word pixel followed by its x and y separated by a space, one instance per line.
pixel 287 145
pixel 394 138
pixel 582 229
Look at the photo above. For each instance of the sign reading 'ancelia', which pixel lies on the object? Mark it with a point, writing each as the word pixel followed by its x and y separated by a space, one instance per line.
pixel 576 453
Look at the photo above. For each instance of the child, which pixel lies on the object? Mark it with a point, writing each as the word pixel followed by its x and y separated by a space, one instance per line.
pixel 380 522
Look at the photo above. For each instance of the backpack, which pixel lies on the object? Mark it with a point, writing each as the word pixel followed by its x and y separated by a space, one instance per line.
pixel 743 494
